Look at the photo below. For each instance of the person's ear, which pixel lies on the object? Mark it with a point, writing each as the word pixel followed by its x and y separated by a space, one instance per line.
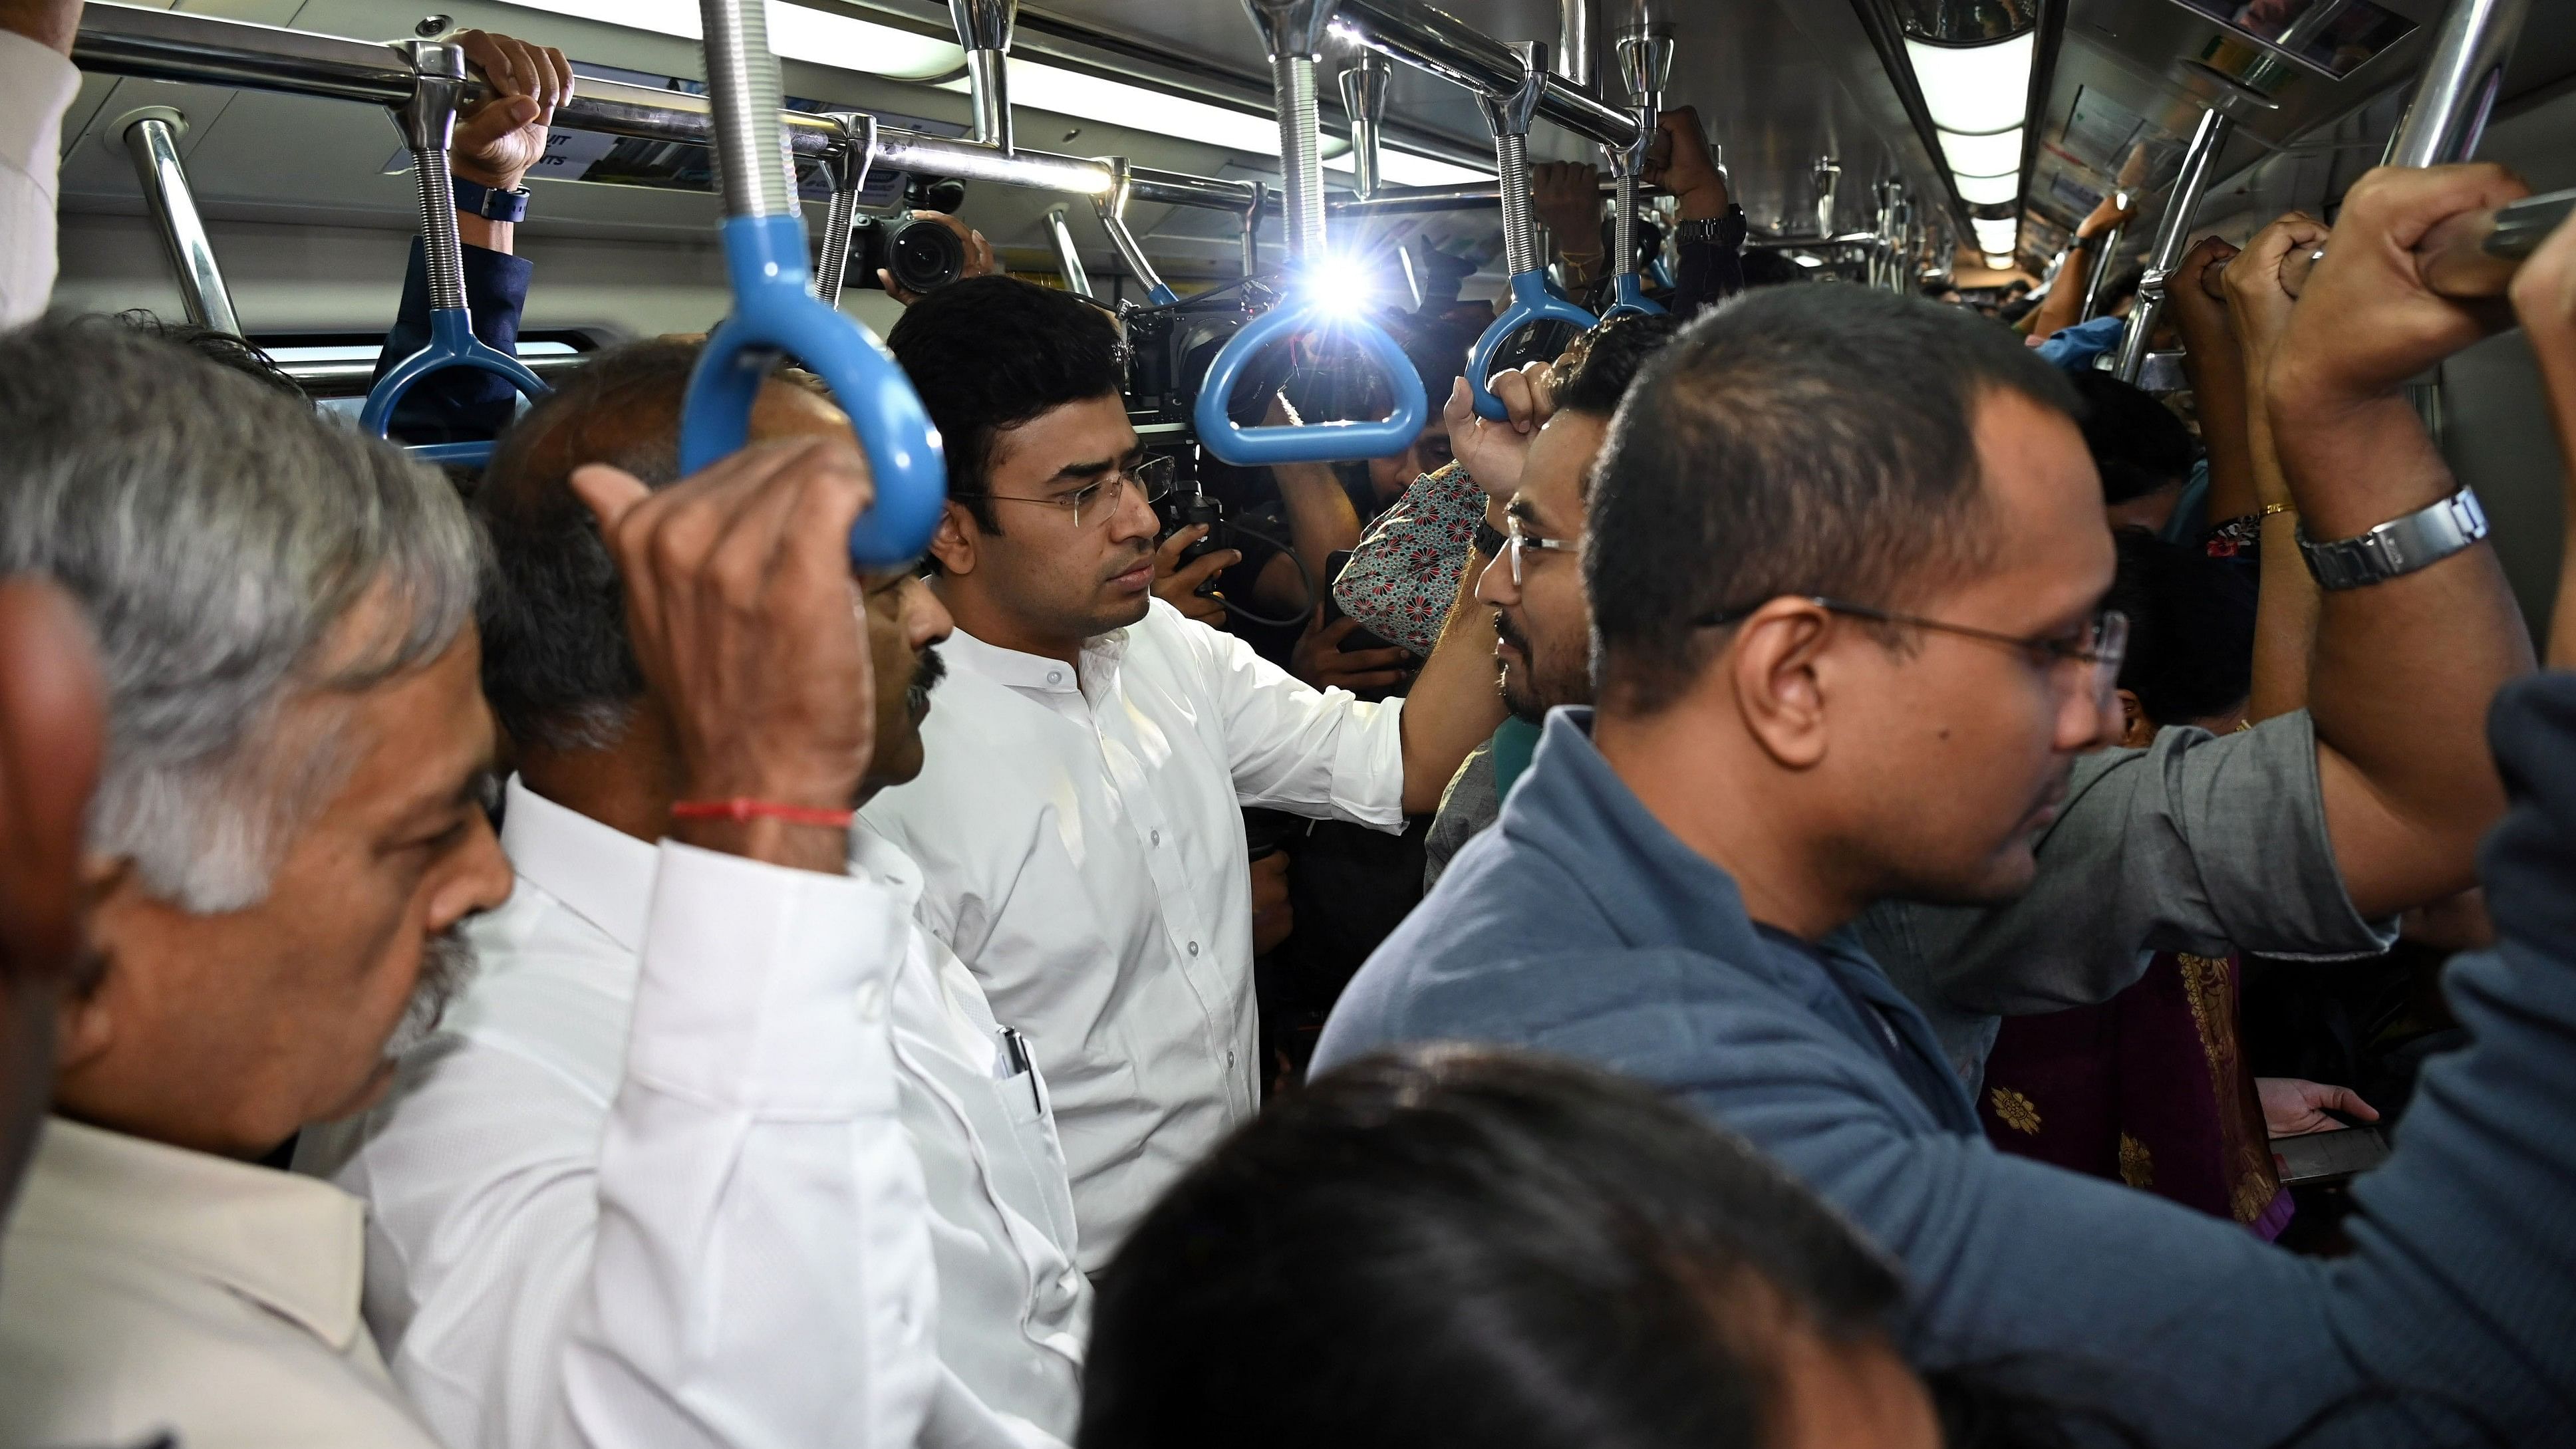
pixel 2136 730
pixel 52 735
pixel 956 541
pixel 1774 670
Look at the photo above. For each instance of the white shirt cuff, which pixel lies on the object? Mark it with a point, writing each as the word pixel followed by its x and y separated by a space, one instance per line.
pixel 1368 766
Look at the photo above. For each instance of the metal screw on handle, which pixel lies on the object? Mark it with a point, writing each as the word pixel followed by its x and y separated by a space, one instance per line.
pixel 755 170
pixel 1508 116
pixel 846 168
pixel 428 122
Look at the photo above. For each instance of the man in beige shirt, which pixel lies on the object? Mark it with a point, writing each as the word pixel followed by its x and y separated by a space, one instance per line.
pixel 288 828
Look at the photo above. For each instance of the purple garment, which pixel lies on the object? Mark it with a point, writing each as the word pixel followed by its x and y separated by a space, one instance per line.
pixel 2149 1088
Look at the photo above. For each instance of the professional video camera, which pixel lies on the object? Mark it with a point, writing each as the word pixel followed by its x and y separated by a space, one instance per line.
pixel 923 254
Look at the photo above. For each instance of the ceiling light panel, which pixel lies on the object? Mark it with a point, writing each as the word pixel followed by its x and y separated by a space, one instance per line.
pixel 1974 89
pixel 1987 190
pixel 795 33
pixel 1994 237
pixel 1995 155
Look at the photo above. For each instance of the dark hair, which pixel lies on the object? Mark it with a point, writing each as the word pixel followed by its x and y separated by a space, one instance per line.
pixel 2123 285
pixel 990 353
pixel 1803 440
pixel 2137 443
pixel 2191 629
pixel 1464 1246
pixel 1473 1245
pixel 556 664
pixel 1611 356
pixel 224 349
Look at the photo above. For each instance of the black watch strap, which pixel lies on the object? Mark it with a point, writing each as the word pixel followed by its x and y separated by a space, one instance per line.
pixel 1727 230
pixel 489 202
pixel 1489 539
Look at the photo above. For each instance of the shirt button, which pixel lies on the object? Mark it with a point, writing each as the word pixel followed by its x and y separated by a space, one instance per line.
pixel 1194 948
pixel 1229 1057
pixel 871 1001
pixel 1055 676
pixel 1158 837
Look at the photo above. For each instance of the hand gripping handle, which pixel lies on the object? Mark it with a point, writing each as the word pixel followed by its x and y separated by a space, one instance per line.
pixel 1532 302
pixel 773 313
pixel 1308 442
pixel 452 344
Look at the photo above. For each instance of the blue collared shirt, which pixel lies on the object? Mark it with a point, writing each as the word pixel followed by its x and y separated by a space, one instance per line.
pixel 1579 925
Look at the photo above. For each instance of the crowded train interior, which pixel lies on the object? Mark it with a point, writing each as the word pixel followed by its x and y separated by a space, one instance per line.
pixel 1173 724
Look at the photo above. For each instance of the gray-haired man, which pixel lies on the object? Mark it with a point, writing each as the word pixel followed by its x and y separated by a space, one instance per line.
pixel 290 830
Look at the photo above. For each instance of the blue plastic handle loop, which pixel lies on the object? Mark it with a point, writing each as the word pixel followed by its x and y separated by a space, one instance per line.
pixel 1308 442
pixel 1162 295
pixel 1532 302
pixel 774 313
pixel 1628 294
pixel 452 343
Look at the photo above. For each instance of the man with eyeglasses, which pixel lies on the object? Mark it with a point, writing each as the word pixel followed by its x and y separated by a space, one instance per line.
pixel 1850 652
pixel 1078 823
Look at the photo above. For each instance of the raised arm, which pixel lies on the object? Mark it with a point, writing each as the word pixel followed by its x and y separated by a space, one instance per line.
pixel 2214 363
pixel 37 83
pixel 2404 669
pixel 2286 621
pixel 2544 298
pixel 2064 304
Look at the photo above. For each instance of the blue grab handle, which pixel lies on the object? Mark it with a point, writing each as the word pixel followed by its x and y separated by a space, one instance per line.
pixel 452 343
pixel 1628 294
pixel 774 313
pixel 1161 294
pixel 1308 442
pixel 1531 302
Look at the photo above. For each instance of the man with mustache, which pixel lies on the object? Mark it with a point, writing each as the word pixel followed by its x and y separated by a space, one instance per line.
pixel 1079 818
pixel 290 817
pixel 1850 648
pixel 489 1168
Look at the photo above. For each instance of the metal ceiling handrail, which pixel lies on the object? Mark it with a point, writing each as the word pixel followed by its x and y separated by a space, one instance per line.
pixel 1450 48
pixel 1508 117
pixel 129 40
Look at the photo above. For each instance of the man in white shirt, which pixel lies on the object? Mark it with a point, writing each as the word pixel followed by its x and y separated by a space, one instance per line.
pixel 483 1168
pixel 37 83
pixel 1078 819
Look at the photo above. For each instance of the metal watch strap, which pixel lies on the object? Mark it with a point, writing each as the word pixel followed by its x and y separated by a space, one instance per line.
pixel 490 202
pixel 1722 231
pixel 2398 547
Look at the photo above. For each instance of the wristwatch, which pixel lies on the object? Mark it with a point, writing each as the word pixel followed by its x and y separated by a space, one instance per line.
pixel 1489 539
pixel 2398 547
pixel 1724 231
pixel 490 202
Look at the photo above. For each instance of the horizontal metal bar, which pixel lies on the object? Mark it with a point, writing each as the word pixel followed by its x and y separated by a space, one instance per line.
pixel 172 46
pixel 1465 196
pixel 1450 48
pixel 168 45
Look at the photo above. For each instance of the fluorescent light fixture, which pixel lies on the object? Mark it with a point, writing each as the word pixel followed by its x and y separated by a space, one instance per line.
pixel 1975 89
pixel 1997 237
pixel 1807 261
pixel 1043 87
pixel 795 33
pixel 1995 155
pixel 1987 190
pixel 1996 262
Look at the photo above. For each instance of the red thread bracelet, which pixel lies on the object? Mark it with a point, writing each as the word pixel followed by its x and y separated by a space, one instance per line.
pixel 743 812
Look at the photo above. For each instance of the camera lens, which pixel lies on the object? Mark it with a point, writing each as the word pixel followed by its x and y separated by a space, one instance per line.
pixel 924 255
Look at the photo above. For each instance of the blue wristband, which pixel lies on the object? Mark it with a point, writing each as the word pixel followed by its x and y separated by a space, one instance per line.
pixel 490 203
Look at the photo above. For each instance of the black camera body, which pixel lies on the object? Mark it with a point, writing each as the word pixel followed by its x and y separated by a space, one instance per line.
pixel 923 254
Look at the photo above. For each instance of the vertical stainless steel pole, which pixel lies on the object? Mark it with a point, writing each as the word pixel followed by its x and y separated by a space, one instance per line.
pixel 2107 247
pixel 2459 83
pixel 984 28
pixel 1365 79
pixel 152 137
pixel 2173 234
pixel 1578 27
pixel 1068 262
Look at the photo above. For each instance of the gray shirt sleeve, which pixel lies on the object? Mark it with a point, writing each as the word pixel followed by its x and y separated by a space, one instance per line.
pixel 1467 806
pixel 2196 843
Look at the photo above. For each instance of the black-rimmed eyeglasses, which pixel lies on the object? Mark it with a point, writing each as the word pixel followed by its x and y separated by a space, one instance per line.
pixel 2099 650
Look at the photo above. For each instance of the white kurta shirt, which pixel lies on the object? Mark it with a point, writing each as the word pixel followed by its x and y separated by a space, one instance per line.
pixel 1080 833
pixel 666 1201
pixel 36 86
pixel 147 1289
pixel 486 1176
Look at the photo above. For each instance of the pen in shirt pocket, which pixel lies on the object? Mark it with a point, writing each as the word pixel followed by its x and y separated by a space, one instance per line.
pixel 1015 1057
